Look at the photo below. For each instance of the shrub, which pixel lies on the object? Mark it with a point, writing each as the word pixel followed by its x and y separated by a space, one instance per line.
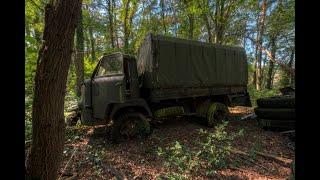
pixel 254 94
pixel 210 153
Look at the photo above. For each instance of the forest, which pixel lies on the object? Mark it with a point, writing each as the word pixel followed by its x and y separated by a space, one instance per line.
pixel 264 28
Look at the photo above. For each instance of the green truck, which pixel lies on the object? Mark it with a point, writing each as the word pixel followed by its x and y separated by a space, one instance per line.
pixel 202 78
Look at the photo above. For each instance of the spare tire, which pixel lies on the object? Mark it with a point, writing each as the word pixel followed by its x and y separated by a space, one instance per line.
pixel 277 102
pixel 267 124
pixel 275 113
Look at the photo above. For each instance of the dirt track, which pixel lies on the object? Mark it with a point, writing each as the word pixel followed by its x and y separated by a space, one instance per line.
pixel 96 158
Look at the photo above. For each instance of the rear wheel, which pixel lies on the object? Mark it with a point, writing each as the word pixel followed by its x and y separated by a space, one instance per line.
pixel 130 125
pixel 217 113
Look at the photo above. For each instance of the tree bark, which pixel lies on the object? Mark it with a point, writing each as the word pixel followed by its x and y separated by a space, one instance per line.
pixel 125 26
pixel 111 25
pixel 79 66
pixel 290 64
pixel 92 43
pixel 162 5
pixel 206 20
pixel 48 134
pixel 254 78
pixel 271 63
pixel 259 43
pixel 91 39
pixel 87 42
pixel 115 25
pixel 219 14
pixel 191 26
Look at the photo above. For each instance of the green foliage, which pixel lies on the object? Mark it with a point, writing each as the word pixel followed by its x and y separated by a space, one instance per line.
pixel 210 154
pixel 255 148
pixel 254 94
pixel 28 122
pixel 89 67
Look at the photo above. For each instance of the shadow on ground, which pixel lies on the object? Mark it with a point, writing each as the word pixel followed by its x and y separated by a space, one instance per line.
pixel 138 159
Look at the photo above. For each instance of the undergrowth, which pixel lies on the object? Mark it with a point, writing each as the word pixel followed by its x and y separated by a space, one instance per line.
pixel 255 94
pixel 209 155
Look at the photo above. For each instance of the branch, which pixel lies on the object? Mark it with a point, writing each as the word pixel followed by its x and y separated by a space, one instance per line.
pixel 269 54
pixel 280 160
pixel 65 167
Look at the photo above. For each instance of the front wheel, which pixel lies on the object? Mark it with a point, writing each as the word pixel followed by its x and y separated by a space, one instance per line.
pixel 130 125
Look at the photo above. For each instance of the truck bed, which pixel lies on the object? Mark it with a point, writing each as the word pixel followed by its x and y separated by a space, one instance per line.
pixel 189 68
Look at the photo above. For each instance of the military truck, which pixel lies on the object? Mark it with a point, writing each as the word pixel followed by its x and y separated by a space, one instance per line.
pixel 203 78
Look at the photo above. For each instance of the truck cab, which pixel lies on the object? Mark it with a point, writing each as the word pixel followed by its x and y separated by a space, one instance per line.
pixel 114 84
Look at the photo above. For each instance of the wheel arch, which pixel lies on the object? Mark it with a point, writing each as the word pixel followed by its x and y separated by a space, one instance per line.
pixel 139 105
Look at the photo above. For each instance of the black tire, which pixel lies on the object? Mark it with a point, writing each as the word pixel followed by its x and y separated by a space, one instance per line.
pixel 277 102
pixel 275 113
pixel 271 124
pixel 140 122
pixel 215 109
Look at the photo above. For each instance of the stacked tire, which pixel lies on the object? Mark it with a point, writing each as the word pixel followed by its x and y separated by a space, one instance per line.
pixel 276 112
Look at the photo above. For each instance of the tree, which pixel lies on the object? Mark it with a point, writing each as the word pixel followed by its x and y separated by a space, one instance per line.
pixel 163 10
pixel 79 54
pixel 261 27
pixel 271 63
pixel 50 85
pixel 127 15
pixel 110 9
pixel 90 32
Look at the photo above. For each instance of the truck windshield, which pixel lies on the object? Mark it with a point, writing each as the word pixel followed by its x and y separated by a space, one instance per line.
pixel 110 66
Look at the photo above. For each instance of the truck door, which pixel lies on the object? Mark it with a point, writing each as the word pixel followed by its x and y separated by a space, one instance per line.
pixel 107 85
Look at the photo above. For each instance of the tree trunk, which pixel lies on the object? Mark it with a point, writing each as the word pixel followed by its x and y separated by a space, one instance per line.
pixel 254 78
pixel 191 26
pixel 125 26
pixel 115 25
pixel 175 29
pixel 271 63
pixel 259 44
pixel 92 43
pixel 111 26
pixel 219 14
pixel 290 64
pixel 48 134
pixel 162 5
pixel 87 42
pixel 206 20
pixel 79 55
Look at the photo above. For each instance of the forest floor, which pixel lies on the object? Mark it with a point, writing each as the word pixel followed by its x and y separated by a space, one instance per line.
pixel 94 157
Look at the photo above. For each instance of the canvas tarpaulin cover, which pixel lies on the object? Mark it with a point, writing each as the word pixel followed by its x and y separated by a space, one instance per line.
pixel 167 62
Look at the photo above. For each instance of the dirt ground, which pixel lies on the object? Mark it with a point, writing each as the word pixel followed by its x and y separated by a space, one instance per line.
pixel 94 157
